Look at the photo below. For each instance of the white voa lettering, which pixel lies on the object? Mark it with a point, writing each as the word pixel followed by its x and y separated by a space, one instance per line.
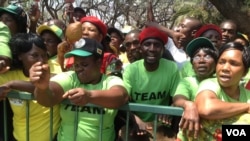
pixel 242 132
pixel 236 132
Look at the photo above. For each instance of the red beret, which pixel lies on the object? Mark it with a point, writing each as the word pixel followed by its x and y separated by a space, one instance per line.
pixel 207 27
pixel 97 22
pixel 153 32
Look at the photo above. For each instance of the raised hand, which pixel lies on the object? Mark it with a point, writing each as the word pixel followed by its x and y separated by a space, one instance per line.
pixel 3 66
pixel 40 75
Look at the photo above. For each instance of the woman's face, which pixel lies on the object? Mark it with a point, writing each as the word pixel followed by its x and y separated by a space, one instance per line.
pixel 230 68
pixel 87 69
pixel 203 65
pixel 116 41
pixel 214 37
pixel 51 41
pixel 34 55
pixel 91 31
pixel 9 20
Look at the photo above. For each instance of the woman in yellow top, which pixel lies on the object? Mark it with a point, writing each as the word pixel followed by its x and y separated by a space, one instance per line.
pixel 27 49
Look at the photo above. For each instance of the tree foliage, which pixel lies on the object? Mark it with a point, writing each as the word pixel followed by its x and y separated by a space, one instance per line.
pixel 237 10
pixel 166 12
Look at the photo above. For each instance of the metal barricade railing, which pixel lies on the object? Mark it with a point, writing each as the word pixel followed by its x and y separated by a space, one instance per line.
pixel 156 109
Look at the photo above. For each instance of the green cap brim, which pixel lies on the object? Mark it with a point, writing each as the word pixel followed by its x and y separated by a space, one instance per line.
pixel 77 52
pixel 198 43
pixel 7 10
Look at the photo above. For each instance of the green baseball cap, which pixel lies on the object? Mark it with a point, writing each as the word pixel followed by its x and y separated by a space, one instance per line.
pixel 4 39
pixel 17 11
pixel 197 43
pixel 53 28
pixel 86 47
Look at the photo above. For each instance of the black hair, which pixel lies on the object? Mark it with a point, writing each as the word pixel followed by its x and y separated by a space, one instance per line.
pixel 117 31
pixel 80 9
pixel 209 51
pixel 22 43
pixel 240 47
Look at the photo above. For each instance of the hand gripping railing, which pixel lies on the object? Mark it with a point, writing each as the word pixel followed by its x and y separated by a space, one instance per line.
pixel 156 109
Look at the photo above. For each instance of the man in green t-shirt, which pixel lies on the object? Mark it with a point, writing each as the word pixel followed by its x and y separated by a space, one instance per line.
pixel 151 80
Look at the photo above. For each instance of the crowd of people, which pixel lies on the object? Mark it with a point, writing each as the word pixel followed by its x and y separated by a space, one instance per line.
pixel 87 62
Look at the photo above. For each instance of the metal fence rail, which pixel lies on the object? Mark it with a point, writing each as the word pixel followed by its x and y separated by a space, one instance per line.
pixel 169 110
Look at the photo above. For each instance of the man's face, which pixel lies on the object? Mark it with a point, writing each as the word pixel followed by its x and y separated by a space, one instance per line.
pixel 214 37
pixel 132 45
pixel 228 32
pixel 152 50
pixel 185 27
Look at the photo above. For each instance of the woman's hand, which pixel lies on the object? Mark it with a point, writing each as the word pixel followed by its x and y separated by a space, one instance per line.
pixel 4 89
pixel 189 123
pixel 78 96
pixel 40 75
pixel 4 66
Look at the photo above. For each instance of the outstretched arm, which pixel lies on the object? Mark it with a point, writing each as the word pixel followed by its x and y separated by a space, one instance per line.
pixel 114 97
pixel 47 93
pixel 176 36
pixel 210 107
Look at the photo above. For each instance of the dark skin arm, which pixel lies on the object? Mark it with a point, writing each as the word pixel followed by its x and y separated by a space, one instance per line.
pixel 16 85
pixel 171 33
pixel 34 14
pixel 190 119
pixel 4 64
pixel 210 107
pixel 50 93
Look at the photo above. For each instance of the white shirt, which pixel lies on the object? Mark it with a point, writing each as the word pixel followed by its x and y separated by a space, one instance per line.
pixel 179 55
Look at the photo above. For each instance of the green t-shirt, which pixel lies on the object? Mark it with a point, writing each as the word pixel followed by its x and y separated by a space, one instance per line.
pixel 187 87
pixel 154 88
pixel 88 117
pixel 4 39
pixel 212 128
pixel 187 70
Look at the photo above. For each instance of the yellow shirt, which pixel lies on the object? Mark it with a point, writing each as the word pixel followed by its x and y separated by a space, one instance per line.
pixel 39 117
pixel 54 65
